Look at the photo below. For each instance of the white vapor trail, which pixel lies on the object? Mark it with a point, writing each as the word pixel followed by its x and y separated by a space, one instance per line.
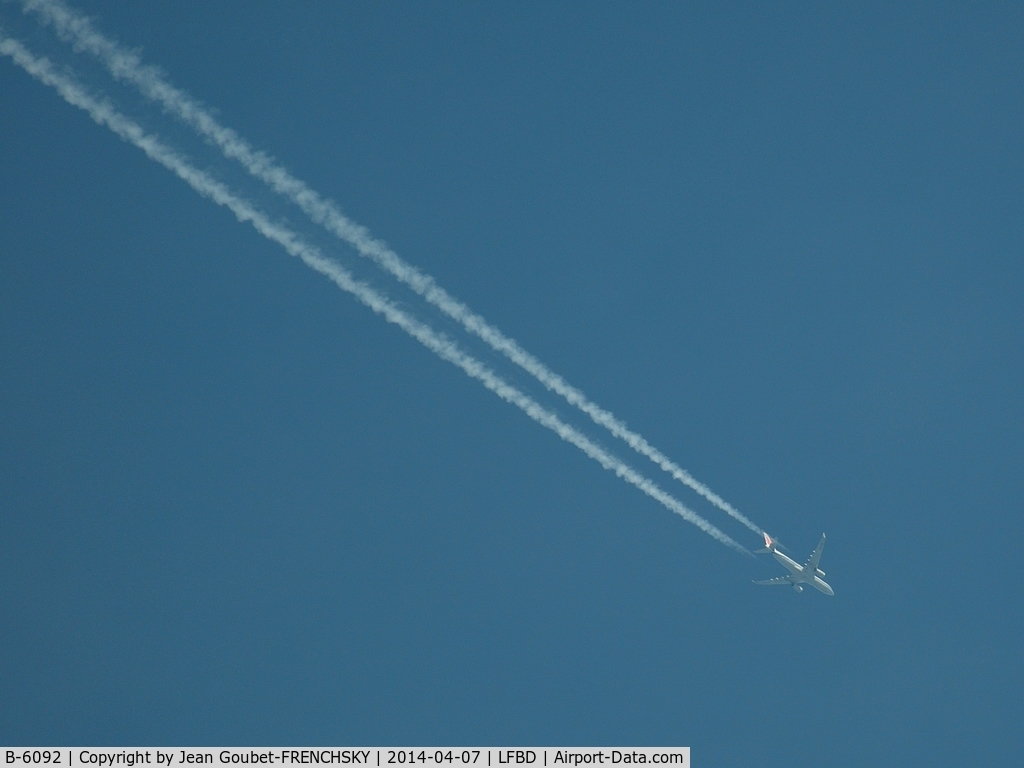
pixel 103 113
pixel 126 65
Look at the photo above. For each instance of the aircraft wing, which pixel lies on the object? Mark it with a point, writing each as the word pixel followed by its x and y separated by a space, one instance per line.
pixel 812 561
pixel 777 580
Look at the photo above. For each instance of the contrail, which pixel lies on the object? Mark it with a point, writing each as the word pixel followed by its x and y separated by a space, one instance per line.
pixel 126 65
pixel 103 113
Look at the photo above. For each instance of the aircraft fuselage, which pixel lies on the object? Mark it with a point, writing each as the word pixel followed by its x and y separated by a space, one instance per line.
pixel 800 575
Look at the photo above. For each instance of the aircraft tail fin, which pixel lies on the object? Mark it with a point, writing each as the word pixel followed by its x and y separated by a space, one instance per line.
pixel 769 544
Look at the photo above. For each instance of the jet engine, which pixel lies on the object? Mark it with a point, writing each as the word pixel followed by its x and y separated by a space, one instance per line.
pixel 819 572
pixel 798 587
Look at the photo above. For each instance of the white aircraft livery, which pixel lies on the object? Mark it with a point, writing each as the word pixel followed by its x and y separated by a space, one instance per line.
pixel 808 573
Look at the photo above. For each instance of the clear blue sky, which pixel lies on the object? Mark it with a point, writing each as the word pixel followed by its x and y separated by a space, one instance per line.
pixel 785 244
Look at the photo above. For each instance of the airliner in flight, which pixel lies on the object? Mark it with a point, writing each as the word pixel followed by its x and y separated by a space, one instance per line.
pixel 808 573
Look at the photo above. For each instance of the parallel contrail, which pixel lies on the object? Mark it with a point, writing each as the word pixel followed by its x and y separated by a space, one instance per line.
pixel 126 65
pixel 103 113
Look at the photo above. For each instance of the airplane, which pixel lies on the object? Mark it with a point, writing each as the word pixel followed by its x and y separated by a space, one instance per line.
pixel 808 573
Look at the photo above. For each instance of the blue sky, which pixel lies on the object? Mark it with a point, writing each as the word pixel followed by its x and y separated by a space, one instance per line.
pixel 784 244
